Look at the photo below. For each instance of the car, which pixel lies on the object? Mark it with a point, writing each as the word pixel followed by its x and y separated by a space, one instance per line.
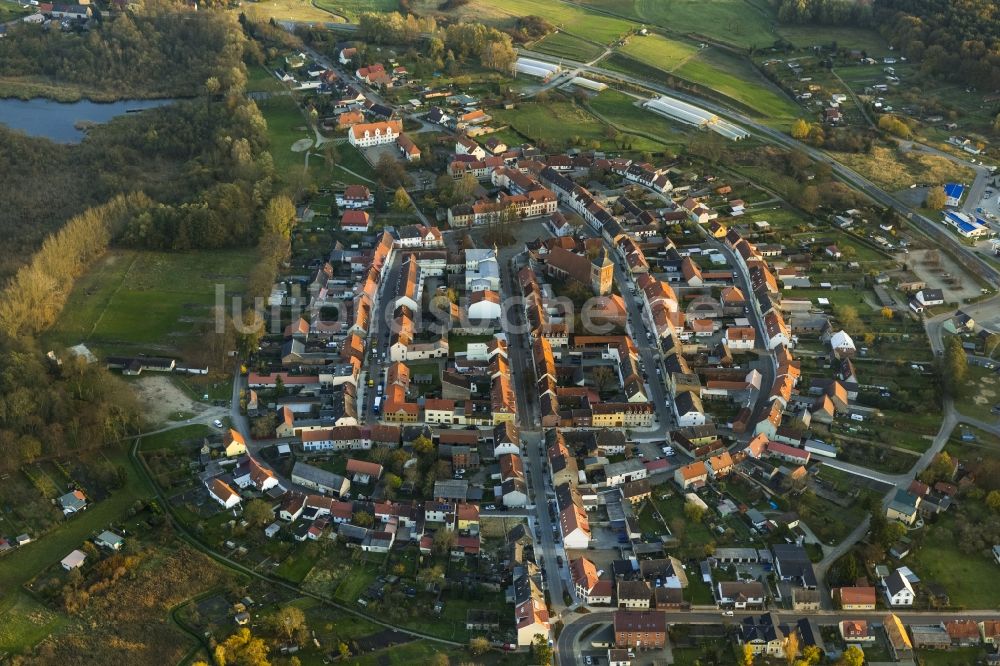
pixel 559 560
pixel 490 507
pixel 589 661
pixel 217 423
pixel 728 613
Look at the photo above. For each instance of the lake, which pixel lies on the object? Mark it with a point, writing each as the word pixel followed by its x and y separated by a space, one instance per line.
pixel 57 120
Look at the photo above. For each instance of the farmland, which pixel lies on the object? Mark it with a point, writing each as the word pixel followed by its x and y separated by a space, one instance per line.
pixel 892 171
pixel 352 9
pixel 565 45
pixel 291 10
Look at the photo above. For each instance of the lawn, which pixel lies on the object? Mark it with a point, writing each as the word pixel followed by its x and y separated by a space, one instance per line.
pixel 969 655
pixel 291 10
pixel 572 18
pixel 970 579
pixel 737 22
pixel 28 561
pixel 565 45
pixel 172 438
pixel 460 343
pixel 148 301
pixel 260 79
pixel 285 126
pixel 25 623
pixel 296 566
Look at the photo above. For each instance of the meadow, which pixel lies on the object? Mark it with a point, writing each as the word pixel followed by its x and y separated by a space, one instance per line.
pixel 352 9
pixel 148 301
pixel 563 44
pixel 292 10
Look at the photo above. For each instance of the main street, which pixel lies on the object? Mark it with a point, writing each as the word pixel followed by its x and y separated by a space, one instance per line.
pixel 532 441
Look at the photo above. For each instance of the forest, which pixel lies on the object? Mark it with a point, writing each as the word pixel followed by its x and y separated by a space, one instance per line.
pixel 160 50
pixel 953 38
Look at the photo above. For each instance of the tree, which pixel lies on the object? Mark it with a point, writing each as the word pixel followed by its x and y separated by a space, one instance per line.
pixel 242 649
pixel 479 645
pixel 954 367
pixel 444 539
pixel 800 129
pixel 809 198
pixel 993 500
pixel 290 622
pixel 936 198
pixel 389 172
pixel 423 445
pixel 694 512
pixel 541 650
pixel 791 645
pixel 363 519
pixel 603 377
pixel 811 654
pixel 401 201
pixel 431 575
pixel 258 513
pixel 344 651
pixel 853 656
pixel 746 655
pixel 279 216
pixel 887 312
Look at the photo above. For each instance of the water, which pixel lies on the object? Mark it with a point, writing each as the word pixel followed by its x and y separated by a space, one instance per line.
pixel 58 120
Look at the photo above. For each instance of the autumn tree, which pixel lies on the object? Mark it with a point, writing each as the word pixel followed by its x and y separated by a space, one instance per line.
pixel 800 129
pixel 887 312
pixel 363 519
pixel 694 512
pixel 401 201
pixel 479 645
pixel 603 377
pixel 993 500
pixel 936 198
pixel 541 650
pixel 791 647
pixel 423 445
pixel 290 622
pixel 443 541
pixel 746 655
pixel 954 367
pixel 431 575
pixel 258 513
pixel 241 649
pixel 853 656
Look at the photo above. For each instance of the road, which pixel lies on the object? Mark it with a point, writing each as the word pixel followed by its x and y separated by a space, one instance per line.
pixel 535 466
pixel 932 229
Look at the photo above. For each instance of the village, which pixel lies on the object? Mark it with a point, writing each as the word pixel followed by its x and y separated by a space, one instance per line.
pixel 582 381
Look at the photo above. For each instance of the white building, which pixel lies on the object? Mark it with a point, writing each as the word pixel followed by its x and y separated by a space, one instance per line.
pixel 374 134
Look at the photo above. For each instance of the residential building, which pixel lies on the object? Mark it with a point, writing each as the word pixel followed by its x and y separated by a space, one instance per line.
pixel 855 598
pixel 741 595
pixel 364 135
pixel 640 630
pixel 898 590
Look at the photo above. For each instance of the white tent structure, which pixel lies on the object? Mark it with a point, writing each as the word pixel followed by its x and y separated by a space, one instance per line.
pixel 690 114
pixel 536 68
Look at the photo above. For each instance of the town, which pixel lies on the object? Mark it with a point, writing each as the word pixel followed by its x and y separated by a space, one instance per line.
pixel 519 390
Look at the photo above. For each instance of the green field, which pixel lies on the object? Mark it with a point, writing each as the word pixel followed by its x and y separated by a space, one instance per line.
pixel 28 561
pixel 561 44
pixel 285 126
pixel 737 22
pixel 291 10
pixel 352 9
pixel 148 300
pixel 971 580
pixel 736 78
pixel 847 38
pixel 659 51
pixel 260 79
pixel 567 16
pixel 171 438
pixel 25 623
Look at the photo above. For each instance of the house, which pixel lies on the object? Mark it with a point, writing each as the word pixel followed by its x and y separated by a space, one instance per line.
pixel 792 563
pixel 74 560
pixel 855 598
pixel 903 507
pixel 762 635
pixel 692 475
pixel 989 631
pixel 898 590
pixel 857 631
pixel 930 297
pixel 234 444
pixel 319 479
pixel 250 473
pixel 720 465
pixel 930 636
pixel 346 55
pixel 222 493
pixel 640 630
pixel 73 502
pixel 407 148
pixel 355 196
pixel 78 12
pixel 354 221
pixel 109 540
pixel 633 594
pixel 363 471
pixel 374 134
pixel 900 646
pixel 963 633
pixel 741 595
pixel 842 345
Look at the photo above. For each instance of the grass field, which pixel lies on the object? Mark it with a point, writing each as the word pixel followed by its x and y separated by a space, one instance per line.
pixel 660 52
pixel 171 438
pixel 971 580
pixel 25 623
pixel 982 388
pixel 564 45
pixel 260 79
pixel 148 300
pixel 285 126
pixel 848 38
pixel 619 109
pixel 290 10
pixel 736 78
pixel 28 561
pixel 352 9
pixel 572 18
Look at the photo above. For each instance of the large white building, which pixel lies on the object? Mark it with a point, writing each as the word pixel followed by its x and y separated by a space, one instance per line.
pixel 374 134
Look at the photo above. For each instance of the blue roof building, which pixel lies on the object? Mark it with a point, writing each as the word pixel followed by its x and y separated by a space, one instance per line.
pixel 953 194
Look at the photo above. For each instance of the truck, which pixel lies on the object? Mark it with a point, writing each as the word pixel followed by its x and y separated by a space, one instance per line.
pixel 377 405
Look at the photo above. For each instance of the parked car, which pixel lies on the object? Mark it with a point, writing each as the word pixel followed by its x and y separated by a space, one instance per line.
pixel 217 423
